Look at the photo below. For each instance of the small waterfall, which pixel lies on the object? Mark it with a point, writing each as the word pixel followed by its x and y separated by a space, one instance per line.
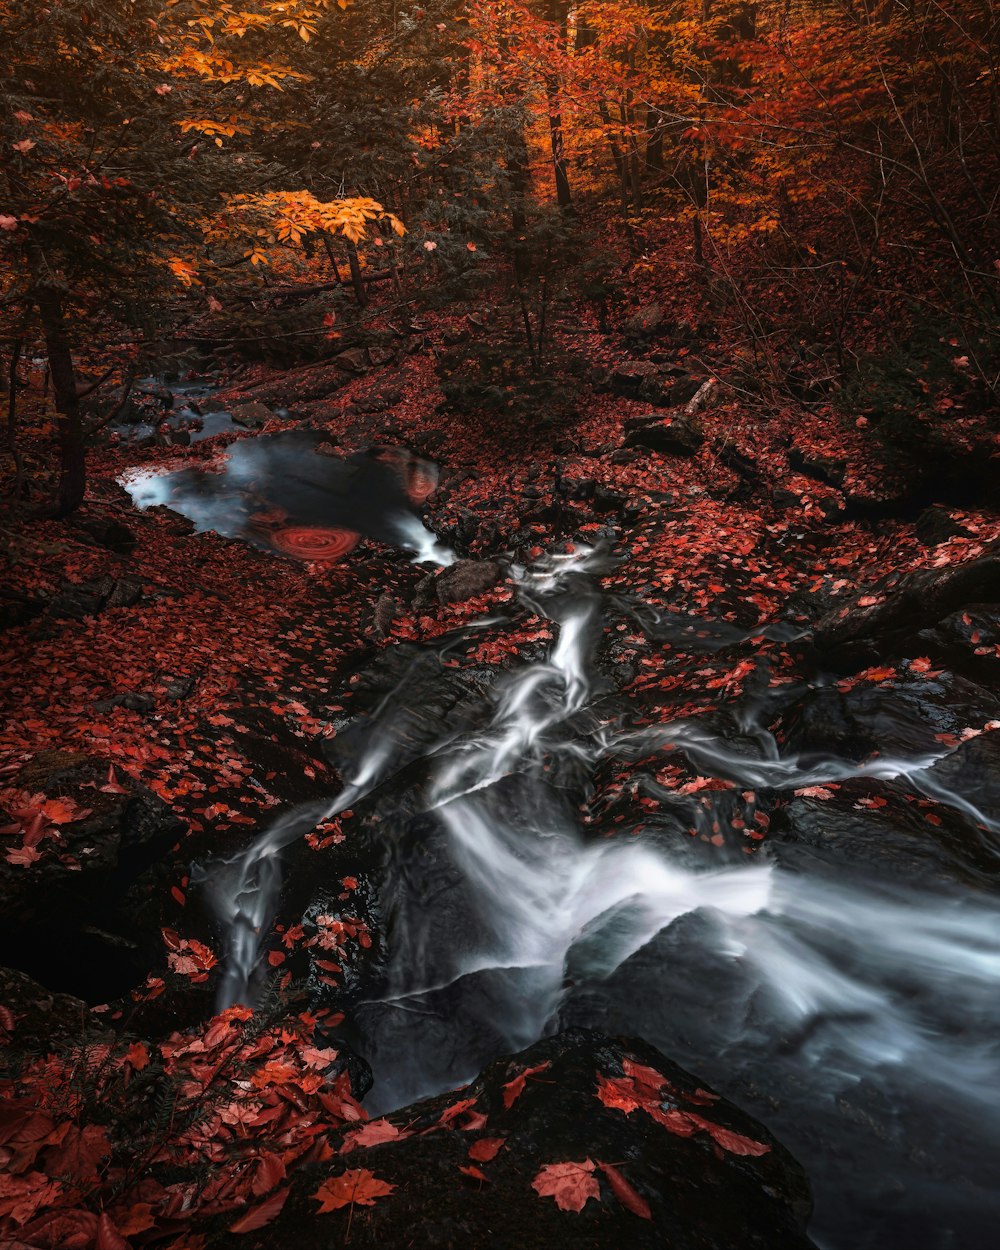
pixel 813 986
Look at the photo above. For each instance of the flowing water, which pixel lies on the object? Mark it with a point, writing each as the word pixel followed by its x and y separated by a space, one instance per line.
pixel 859 1018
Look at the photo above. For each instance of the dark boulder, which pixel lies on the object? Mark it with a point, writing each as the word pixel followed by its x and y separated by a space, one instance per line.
pixel 627 378
pixel 251 415
pixel 80 600
pixel 65 918
pixel 935 526
pixel 40 1021
pixel 683 1169
pixel 817 465
pixel 968 640
pixel 354 360
pixel 886 620
pixel 645 323
pixel 109 533
pixel 877 831
pixel 672 436
pixel 465 579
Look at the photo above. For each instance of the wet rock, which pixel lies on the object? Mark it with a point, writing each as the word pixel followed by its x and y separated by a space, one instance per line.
pixel 902 719
pixel 679 1188
pixel 672 436
pixel 386 610
pixel 935 525
pixel 132 700
pixel 354 360
pixel 78 601
pixel 208 404
pixel 176 689
pixel 886 620
pixel 379 401
pixel 63 919
pixel 17 608
pixel 251 415
pixel 972 771
pixel 607 499
pixel 576 488
pixel 875 831
pixel 968 640
pixel 644 324
pixel 627 378
pixel 42 1021
pixel 109 533
pixel 820 467
pixel 465 579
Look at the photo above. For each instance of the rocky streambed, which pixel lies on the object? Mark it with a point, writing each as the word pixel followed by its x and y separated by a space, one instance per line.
pixel 599 793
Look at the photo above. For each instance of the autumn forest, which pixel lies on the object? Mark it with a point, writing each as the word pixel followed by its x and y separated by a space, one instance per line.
pixel 499 624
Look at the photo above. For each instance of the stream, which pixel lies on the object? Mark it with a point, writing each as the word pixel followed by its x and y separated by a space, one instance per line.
pixel 854 1011
pixel 858 1018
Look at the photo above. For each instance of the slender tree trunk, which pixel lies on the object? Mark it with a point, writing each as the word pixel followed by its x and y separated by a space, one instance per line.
pixel 557 11
pixel 12 389
pixel 357 278
pixel 563 195
pixel 72 454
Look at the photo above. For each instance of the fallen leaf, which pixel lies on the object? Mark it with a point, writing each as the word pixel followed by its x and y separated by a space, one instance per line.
pixel 625 1193
pixel 485 1149
pixel 572 1185
pixel 357 1186
pixel 258 1216
pixel 515 1088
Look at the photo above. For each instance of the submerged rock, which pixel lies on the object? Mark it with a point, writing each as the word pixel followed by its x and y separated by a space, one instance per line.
pixel 581 1141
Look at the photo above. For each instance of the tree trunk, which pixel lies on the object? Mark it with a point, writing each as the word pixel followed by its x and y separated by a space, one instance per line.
pixel 357 279
pixel 557 12
pixel 72 455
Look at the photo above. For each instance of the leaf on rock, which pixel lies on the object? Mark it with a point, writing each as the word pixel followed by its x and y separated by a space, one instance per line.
pixel 263 1214
pixel 371 1134
pixel 485 1149
pixel 356 1186
pixel 625 1193
pixel 515 1088
pixel 572 1185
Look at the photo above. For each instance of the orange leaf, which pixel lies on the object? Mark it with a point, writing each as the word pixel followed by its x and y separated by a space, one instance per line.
pixel 371 1134
pixel 357 1186
pixel 137 1056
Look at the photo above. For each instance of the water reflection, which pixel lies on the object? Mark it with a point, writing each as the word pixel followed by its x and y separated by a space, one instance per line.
pixel 292 493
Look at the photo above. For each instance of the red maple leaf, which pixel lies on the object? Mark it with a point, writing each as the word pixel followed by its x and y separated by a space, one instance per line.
pixel 515 1088
pixel 371 1134
pixel 571 1184
pixel 357 1186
